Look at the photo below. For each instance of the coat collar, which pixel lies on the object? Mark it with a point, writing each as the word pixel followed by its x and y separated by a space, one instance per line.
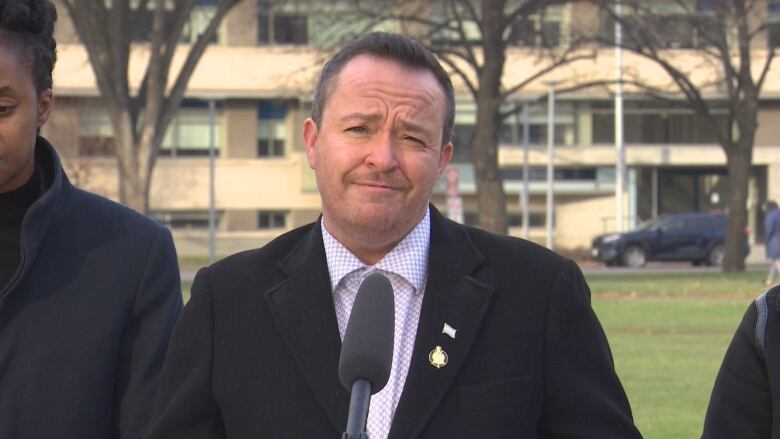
pixel 454 297
pixel 303 311
pixel 42 212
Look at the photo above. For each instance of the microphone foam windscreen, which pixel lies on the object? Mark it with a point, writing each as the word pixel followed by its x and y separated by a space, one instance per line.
pixel 367 350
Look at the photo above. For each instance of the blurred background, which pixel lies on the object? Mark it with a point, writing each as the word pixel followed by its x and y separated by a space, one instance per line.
pixel 576 120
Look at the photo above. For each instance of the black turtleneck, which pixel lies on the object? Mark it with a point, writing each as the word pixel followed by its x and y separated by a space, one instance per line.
pixel 13 206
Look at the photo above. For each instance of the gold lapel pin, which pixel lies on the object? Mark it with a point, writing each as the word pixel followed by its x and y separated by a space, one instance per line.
pixel 438 357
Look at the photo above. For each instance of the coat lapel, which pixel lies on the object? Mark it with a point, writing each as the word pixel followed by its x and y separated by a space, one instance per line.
pixel 303 311
pixel 452 296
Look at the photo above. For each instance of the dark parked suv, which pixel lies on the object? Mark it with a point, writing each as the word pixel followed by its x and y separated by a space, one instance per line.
pixel 695 237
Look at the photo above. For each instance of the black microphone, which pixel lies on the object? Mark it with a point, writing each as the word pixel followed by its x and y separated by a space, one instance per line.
pixel 367 350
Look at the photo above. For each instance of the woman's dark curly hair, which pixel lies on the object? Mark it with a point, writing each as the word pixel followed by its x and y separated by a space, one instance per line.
pixel 28 27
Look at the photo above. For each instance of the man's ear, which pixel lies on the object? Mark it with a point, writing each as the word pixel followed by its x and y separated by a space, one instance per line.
pixel 444 157
pixel 44 107
pixel 310 140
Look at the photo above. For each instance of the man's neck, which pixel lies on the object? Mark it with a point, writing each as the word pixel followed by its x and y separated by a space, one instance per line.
pixel 368 249
pixel 369 255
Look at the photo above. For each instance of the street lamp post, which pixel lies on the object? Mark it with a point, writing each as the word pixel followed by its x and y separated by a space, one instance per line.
pixel 549 217
pixel 525 198
pixel 212 183
pixel 620 150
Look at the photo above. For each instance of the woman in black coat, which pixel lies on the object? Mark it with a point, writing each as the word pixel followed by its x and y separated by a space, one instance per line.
pixel 89 289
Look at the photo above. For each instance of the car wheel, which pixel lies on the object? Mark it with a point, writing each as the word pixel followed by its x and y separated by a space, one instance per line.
pixel 634 256
pixel 716 255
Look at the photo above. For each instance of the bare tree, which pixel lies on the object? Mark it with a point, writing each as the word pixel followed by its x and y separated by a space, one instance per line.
pixel 728 40
pixel 472 38
pixel 140 117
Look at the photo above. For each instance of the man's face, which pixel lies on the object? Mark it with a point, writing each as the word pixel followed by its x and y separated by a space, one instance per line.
pixel 22 112
pixel 377 153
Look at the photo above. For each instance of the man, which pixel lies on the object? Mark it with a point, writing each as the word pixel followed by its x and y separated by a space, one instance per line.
pixel 89 290
pixel 772 240
pixel 256 351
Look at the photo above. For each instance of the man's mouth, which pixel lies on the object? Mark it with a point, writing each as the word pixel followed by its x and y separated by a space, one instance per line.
pixel 376 185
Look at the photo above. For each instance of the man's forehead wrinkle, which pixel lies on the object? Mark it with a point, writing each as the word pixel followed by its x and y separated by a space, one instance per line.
pixel 376 107
pixel 392 91
pixel 362 116
pixel 428 88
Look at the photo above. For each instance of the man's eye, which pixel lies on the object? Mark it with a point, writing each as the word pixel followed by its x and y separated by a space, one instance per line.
pixel 414 140
pixel 357 130
pixel 5 109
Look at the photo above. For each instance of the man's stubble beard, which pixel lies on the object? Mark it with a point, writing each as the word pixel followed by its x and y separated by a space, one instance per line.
pixel 374 230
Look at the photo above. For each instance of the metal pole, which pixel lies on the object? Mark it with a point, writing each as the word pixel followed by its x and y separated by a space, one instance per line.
pixel 550 162
pixel 525 198
pixel 212 186
pixel 620 150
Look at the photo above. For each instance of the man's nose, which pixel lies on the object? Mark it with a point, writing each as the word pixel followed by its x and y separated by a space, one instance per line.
pixel 382 155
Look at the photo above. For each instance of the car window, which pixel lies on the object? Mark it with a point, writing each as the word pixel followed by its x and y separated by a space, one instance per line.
pixel 674 225
pixel 647 224
pixel 699 224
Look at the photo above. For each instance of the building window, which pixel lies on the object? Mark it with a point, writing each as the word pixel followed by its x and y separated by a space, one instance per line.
pixel 271 219
pixel 199 19
pixel 537 31
pixel 669 26
pixel 539 173
pixel 189 133
pixel 96 134
pixel 184 219
pixel 535 219
pixel 773 24
pixel 532 33
pixel 649 123
pixel 515 219
pixel 271 130
pixel 276 26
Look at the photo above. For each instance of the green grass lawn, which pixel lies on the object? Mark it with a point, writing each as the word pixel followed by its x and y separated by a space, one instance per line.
pixel 668 333
pixel 185 291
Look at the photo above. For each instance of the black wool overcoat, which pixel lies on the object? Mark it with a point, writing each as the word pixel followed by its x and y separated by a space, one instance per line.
pixel 85 321
pixel 255 353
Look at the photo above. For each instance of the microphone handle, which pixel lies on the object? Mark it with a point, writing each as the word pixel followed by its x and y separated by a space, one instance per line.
pixel 358 410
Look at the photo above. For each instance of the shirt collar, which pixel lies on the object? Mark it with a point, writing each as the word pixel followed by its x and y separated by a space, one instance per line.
pixel 408 259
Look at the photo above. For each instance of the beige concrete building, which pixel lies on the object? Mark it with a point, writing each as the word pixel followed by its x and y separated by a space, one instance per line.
pixel 261 71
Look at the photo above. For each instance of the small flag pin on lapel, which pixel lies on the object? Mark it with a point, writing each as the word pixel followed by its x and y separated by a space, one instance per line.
pixel 449 330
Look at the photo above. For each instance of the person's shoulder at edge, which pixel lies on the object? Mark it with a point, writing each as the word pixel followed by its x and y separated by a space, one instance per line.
pixel 269 255
pixel 517 251
pixel 93 210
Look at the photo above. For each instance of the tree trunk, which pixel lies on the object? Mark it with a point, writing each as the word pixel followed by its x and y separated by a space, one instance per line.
pixel 738 161
pixel 133 166
pixel 491 200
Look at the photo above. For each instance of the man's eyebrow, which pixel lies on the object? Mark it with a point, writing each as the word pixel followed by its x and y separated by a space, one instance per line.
pixel 6 90
pixel 412 126
pixel 366 117
pixel 374 117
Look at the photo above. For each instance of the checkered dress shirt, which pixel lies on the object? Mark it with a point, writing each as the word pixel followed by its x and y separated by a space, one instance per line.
pixel 406 265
